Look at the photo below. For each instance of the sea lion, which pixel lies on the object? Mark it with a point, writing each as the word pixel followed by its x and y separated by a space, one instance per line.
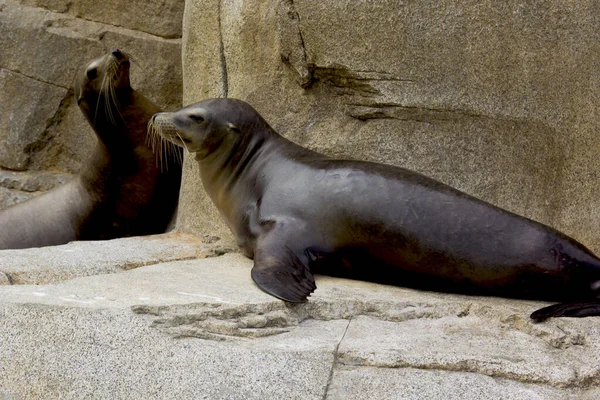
pixel 296 211
pixel 121 190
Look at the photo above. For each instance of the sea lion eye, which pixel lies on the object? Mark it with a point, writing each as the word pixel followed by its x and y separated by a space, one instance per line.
pixel 234 128
pixel 196 118
pixel 92 73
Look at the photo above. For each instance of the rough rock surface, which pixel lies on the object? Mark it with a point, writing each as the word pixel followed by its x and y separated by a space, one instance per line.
pixel 496 99
pixel 52 264
pixel 16 187
pixel 27 105
pixel 158 17
pixel 201 329
pixel 41 127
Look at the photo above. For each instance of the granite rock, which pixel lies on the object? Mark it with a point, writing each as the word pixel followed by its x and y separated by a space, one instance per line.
pixel 495 99
pixel 157 17
pixel 200 328
pixel 28 107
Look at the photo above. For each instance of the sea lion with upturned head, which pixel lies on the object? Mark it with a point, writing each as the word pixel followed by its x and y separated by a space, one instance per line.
pixel 121 190
pixel 296 211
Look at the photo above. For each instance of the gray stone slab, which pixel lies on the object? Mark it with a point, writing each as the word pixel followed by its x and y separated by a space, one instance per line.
pixel 77 353
pixel 56 263
pixel 200 328
pixel 360 383
pixel 80 339
pixel 512 347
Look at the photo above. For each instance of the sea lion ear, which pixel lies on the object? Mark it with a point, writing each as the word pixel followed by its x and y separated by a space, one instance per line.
pixel 233 128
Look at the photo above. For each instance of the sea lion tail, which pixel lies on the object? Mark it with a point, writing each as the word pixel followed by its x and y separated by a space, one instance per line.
pixel 575 310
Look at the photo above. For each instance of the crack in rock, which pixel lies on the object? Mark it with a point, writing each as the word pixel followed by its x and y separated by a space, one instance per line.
pixel 225 321
pixel 477 367
pixel 292 47
pixel 34 78
pixel 346 81
pixel 223 59
pixel 70 12
pixel 335 363
pixel 49 131
pixel 32 182
pixel 377 110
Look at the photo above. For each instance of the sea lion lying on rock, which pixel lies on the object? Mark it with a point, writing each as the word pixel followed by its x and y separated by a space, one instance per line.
pixel 295 211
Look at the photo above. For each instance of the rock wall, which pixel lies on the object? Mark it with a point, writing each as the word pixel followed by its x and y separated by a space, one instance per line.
pixel 43 136
pixel 496 99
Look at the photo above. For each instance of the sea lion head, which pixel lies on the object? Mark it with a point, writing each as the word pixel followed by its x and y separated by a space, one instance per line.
pixel 208 126
pixel 102 86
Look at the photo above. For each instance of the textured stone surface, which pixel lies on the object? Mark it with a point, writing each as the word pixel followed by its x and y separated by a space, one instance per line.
pixel 71 141
pixel 32 182
pixel 200 328
pixel 158 17
pixel 407 383
pixel 496 99
pixel 27 107
pixel 52 264
pixel 16 187
pixel 9 197
pixel 52 47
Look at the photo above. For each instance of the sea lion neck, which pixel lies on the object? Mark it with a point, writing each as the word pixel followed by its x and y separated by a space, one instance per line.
pixel 237 166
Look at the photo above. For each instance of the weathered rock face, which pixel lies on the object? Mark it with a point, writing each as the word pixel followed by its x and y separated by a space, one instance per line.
pixel 41 127
pixel 157 17
pixel 139 322
pixel 498 100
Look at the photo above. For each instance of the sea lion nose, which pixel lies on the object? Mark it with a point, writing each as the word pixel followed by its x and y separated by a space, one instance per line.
pixel 117 53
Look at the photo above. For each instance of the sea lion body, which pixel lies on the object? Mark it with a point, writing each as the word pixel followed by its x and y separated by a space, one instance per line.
pixel 121 190
pixel 296 211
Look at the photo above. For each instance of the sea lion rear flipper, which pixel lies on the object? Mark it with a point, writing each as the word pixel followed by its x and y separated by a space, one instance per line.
pixel 574 310
pixel 284 276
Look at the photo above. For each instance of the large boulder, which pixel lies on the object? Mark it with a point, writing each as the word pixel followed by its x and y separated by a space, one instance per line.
pixel 496 99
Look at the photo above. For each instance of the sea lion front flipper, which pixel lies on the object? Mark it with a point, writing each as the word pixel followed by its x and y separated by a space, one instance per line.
pixel 575 310
pixel 284 275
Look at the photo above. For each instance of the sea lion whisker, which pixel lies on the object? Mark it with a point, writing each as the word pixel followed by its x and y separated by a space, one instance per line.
pixel 105 92
pixel 155 141
pixel 133 60
pixel 179 152
pixel 173 152
pixel 115 101
pixel 165 155
pixel 98 100
pixel 107 107
pixel 182 142
pixel 160 152
pixel 148 139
